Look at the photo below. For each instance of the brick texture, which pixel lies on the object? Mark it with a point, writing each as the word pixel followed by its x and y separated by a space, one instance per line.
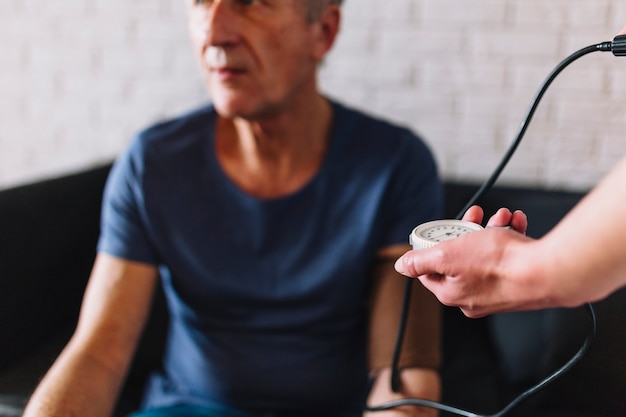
pixel 79 78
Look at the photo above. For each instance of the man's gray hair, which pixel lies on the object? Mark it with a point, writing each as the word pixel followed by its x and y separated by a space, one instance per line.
pixel 313 8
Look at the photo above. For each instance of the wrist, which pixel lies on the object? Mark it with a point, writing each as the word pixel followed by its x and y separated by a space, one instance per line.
pixel 416 383
pixel 526 269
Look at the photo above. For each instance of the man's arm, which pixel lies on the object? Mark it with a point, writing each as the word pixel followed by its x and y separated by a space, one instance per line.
pixel 421 348
pixel 86 378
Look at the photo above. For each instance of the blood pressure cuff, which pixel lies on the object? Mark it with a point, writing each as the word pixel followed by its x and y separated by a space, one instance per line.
pixel 421 345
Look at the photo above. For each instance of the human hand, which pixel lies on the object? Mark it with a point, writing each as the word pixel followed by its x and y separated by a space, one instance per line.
pixel 466 272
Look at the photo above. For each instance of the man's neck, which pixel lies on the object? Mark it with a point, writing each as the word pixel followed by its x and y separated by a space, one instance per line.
pixel 275 156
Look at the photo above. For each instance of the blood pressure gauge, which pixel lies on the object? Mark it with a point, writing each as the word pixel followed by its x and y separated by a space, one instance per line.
pixel 428 234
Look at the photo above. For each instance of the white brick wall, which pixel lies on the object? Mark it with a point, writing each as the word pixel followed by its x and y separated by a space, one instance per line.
pixel 79 77
pixel 463 73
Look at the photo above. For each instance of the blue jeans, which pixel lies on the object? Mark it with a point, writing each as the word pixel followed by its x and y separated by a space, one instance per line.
pixel 193 411
pixel 219 410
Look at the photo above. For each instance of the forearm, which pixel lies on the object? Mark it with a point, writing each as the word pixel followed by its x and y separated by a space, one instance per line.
pixel 420 383
pixel 77 385
pixel 585 254
pixel 86 378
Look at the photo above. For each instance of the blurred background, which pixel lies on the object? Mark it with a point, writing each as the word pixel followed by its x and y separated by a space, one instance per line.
pixel 79 77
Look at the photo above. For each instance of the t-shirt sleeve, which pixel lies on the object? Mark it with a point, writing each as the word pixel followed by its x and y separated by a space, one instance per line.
pixel 415 194
pixel 123 231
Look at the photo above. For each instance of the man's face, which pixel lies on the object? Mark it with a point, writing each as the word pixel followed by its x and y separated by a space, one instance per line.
pixel 257 56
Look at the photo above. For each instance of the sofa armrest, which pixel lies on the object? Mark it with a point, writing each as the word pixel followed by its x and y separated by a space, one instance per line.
pixel 48 234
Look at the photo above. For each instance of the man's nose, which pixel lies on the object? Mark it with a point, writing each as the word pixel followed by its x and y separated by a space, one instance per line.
pixel 219 23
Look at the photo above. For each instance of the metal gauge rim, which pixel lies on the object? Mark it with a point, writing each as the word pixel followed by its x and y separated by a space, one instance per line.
pixel 428 234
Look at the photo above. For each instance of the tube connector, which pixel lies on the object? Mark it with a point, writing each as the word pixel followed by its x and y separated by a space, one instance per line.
pixel 618 45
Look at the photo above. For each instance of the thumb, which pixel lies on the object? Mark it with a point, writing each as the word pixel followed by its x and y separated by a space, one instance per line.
pixel 415 263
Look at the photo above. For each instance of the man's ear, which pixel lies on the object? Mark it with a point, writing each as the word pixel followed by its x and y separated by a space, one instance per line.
pixel 325 31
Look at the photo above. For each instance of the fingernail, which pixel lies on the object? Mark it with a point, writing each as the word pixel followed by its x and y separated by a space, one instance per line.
pixel 399 265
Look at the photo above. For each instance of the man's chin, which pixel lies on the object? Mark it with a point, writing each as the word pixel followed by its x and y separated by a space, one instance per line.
pixel 246 111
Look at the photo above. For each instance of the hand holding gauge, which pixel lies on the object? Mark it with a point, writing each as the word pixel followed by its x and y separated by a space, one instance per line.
pixel 435 269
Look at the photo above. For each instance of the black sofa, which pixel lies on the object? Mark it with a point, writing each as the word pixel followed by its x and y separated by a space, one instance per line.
pixel 48 232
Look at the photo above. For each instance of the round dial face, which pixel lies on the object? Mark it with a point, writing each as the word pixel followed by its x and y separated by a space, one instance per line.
pixel 429 234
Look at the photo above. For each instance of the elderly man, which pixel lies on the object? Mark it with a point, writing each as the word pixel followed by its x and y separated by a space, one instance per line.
pixel 272 218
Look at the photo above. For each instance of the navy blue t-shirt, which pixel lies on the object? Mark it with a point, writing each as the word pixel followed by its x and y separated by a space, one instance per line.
pixel 267 297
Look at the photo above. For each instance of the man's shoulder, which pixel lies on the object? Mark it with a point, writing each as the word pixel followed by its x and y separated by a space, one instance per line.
pixel 380 135
pixel 190 121
pixel 172 138
pixel 366 122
